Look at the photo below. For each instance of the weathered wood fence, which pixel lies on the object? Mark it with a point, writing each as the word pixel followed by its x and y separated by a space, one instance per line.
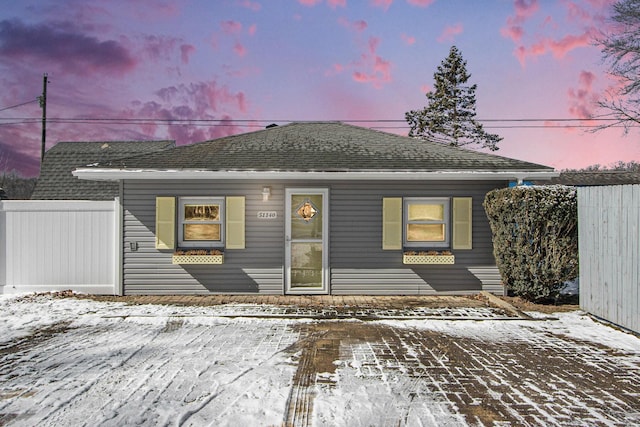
pixel 609 239
pixel 59 245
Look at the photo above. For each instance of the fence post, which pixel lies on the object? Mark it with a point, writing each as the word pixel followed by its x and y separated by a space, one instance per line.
pixel 3 248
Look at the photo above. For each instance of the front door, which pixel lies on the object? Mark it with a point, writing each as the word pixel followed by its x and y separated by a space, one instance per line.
pixel 306 238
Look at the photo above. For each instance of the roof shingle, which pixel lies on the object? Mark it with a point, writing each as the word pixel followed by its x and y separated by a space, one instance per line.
pixel 321 147
pixel 594 178
pixel 57 183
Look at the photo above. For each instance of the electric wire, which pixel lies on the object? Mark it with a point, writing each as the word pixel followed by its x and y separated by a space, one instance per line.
pixel 512 123
pixel 18 105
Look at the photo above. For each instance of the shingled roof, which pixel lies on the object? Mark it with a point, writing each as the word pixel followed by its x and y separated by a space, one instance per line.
pixel 594 178
pixel 57 183
pixel 321 147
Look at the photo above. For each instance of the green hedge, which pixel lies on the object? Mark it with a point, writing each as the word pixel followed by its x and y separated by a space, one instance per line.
pixel 535 238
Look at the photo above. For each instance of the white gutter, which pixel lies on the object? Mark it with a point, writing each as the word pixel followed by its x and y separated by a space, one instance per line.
pixel 183 174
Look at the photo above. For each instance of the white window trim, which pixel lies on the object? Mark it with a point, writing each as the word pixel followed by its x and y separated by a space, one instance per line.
pixel 182 201
pixel 446 202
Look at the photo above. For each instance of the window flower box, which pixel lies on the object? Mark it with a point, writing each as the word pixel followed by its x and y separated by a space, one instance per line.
pixel 428 257
pixel 198 256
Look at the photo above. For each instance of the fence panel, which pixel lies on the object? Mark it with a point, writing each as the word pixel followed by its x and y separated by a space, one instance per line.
pixel 53 245
pixel 608 223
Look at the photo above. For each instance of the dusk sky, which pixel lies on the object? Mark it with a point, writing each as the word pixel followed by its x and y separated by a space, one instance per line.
pixel 238 65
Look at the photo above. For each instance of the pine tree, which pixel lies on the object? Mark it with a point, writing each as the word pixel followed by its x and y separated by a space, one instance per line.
pixel 450 114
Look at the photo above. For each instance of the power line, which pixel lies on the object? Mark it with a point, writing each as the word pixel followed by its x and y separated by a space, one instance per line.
pixel 142 119
pixel 259 123
pixel 18 105
pixel 121 120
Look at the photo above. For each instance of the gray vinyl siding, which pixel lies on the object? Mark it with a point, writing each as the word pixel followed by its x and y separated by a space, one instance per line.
pixel 358 265
pixel 256 269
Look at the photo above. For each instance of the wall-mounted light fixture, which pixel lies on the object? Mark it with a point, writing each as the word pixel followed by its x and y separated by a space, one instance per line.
pixel 266 193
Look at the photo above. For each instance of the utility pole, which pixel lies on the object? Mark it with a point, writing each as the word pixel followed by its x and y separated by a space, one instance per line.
pixel 43 105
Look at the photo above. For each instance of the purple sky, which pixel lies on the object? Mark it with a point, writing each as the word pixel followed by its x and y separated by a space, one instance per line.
pixel 239 65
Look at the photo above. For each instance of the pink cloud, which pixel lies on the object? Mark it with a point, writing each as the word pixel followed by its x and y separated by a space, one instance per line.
pixel 558 48
pixel 513 32
pixel 369 68
pixel 231 27
pixel 372 68
pixel 450 32
pixel 239 49
pixel 408 39
pixel 425 88
pixel 357 26
pixel 251 5
pixel 577 12
pixel 524 9
pixel 583 99
pixel 186 50
pixel 420 3
pixel 581 25
pixel 384 4
pixel 201 100
pixel 71 51
pixel 234 30
pixel 309 3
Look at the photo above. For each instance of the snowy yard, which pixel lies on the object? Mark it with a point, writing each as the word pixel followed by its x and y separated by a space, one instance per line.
pixel 68 362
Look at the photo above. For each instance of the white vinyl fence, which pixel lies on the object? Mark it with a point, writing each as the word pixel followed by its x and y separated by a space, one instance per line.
pixel 59 245
pixel 609 240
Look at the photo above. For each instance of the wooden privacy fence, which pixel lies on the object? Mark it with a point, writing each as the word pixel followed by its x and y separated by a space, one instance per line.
pixel 609 245
pixel 59 245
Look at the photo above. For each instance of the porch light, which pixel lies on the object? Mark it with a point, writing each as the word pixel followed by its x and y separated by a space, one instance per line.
pixel 266 193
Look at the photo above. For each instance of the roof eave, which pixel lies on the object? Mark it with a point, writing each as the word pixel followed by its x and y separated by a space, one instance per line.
pixel 98 174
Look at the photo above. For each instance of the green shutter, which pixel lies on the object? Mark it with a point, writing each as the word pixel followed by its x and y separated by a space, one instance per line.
pixel 235 223
pixel 462 227
pixel 165 222
pixel 392 223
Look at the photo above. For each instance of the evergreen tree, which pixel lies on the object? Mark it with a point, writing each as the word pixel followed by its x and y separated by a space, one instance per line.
pixel 450 114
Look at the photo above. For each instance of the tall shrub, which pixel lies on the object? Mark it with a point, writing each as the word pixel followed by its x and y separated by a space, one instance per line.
pixel 535 238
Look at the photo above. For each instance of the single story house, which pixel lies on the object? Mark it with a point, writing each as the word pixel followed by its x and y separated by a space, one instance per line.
pixel 56 181
pixel 309 208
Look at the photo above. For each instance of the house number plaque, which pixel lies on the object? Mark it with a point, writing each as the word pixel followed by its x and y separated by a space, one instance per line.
pixel 267 214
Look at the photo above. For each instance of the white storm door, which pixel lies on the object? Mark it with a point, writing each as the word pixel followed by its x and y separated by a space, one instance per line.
pixel 306 241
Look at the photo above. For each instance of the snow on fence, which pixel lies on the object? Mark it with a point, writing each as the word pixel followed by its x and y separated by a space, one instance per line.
pixel 608 224
pixel 57 245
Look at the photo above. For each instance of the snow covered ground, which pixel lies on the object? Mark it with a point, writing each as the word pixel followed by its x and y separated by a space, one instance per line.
pixel 68 362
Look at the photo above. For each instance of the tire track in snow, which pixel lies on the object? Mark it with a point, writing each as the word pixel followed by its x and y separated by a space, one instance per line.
pixel 172 372
pixel 90 360
pixel 141 375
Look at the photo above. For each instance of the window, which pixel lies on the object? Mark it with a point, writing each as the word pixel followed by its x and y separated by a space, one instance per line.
pixel 201 222
pixel 456 226
pixel 426 222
